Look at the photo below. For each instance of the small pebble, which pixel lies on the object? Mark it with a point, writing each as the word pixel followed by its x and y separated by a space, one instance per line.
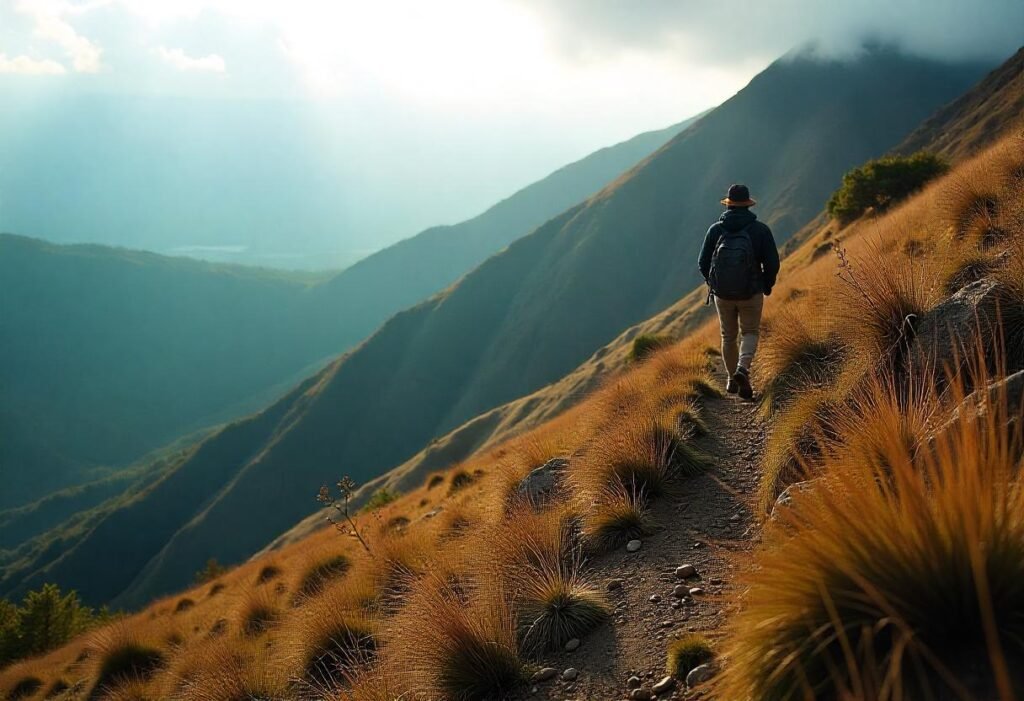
pixel 633 545
pixel 735 518
pixel 696 591
pixel 641 694
pixel 680 590
pixel 716 580
pixel 572 645
pixel 545 674
pixel 570 674
pixel 633 682
pixel 614 584
pixel 666 684
pixel 655 598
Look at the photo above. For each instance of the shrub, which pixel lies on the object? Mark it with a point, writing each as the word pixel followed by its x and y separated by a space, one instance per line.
pixel 686 653
pixel 320 573
pixel 645 344
pixel 898 578
pixel 382 497
pixel 211 571
pixel 881 182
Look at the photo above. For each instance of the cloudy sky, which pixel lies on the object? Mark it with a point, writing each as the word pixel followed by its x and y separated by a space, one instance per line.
pixel 510 88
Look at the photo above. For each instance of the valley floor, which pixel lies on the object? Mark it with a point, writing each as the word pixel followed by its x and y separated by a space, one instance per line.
pixel 707 521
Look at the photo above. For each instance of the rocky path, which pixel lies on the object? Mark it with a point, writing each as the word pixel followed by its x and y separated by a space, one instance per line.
pixel 705 524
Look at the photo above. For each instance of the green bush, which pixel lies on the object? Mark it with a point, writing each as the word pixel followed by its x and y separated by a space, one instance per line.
pixel 382 497
pixel 881 182
pixel 46 619
pixel 647 343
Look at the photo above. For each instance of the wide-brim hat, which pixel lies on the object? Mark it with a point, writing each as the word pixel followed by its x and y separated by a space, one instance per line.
pixel 738 203
pixel 738 196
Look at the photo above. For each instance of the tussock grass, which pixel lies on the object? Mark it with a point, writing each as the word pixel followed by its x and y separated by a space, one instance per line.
pixel 881 298
pixel 184 604
pixel 617 516
pixel 24 688
pixel 259 613
pixel 540 558
pixel 646 345
pixel 456 649
pixel 235 673
pixel 796 444
pixel 796 356
pixel 267 573
pixel 121 657
pixel 319 573
pixel 132 689
pixel 459 480
pixel 329 638
pixel 898 578
pixel 687 652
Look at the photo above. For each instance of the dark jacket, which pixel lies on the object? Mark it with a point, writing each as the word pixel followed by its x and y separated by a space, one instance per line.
pixel 760 236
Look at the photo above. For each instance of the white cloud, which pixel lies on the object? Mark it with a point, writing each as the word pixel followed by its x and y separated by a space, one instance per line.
pixel 177 58
pixel 51 25
pixel 25 65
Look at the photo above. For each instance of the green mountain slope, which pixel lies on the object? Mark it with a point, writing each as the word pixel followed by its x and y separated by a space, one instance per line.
pixel 532 313
pixel 107 354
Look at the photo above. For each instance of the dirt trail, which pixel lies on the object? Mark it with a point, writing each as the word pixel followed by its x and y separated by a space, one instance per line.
pixel 704 524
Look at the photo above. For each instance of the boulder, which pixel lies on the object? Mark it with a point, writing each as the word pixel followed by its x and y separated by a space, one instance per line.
pixel 948 334
pixel 540 485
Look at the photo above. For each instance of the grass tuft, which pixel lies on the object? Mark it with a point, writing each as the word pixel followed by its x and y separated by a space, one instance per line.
pixel 320 573
pixel 618 515
pixel 25 687
pixel 123 658
pixel 686 653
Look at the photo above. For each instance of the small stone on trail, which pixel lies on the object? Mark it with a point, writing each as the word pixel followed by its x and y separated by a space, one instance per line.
pixel 655 598
pixel 614 584
pixel 686 571
pixel 633 682
pixel 677 604
pixel 696 591
pixel 633 545
pixel 666 684
pixel 699 674
pixel 641 694
pixel 570 674
pixel 735 518
pixel 572 645
pixel 545 674
pixel 698 545
pixel 716 580
pixel 680 590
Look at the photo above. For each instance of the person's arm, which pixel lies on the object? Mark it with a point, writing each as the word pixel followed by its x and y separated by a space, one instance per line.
pixel 769 260
pixel 706 251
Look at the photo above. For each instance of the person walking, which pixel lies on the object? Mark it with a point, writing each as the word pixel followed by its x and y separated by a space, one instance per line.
pixel 740 262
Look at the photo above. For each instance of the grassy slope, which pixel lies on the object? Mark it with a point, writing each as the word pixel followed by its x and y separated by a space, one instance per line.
pixel 109 354
pixel 465 538
pixel 532 313
pixel 988 112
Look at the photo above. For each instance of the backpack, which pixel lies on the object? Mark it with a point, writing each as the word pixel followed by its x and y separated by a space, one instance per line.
pixel 735 273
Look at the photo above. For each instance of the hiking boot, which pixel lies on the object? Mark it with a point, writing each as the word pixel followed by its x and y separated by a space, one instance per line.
pixel 731 387
pixel 742 380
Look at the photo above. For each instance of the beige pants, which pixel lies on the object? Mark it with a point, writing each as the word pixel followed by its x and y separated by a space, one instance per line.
pixel 739 319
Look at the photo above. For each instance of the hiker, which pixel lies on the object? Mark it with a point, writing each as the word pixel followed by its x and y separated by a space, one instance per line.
pixel 739 261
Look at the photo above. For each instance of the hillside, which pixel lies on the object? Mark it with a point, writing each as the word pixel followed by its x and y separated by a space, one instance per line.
pixel 957 139
pixel 111 353
pixel 530 314
pixel 482 578
pixel 976 119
